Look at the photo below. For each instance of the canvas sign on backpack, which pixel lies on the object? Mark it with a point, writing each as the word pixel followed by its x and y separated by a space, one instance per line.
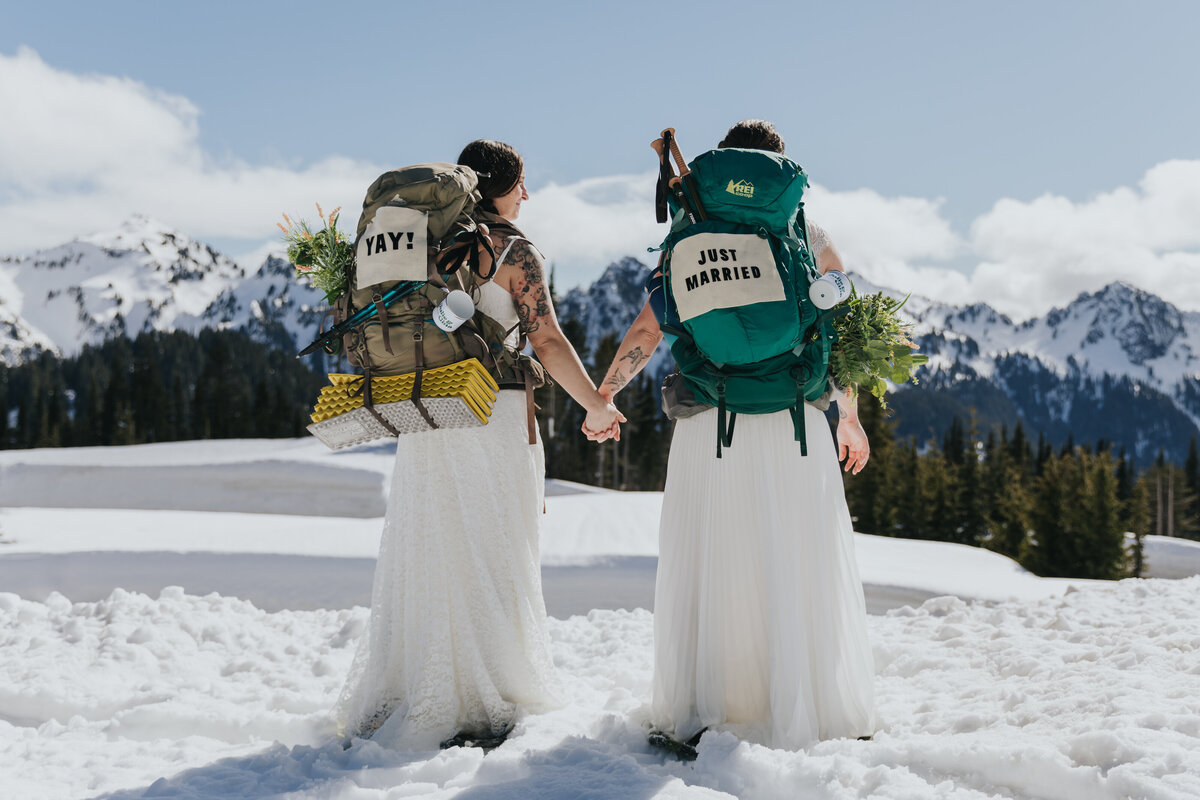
pixel 736 270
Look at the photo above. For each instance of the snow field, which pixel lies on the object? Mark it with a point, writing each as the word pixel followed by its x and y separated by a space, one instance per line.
pixel 1095 694
pixel 1004 685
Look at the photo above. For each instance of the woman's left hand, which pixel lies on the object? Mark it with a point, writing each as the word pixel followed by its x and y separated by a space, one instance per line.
pixel 853 447
pixel 603 422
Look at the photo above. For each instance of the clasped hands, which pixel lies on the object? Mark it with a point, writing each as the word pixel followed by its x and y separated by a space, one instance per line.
pixel 603 421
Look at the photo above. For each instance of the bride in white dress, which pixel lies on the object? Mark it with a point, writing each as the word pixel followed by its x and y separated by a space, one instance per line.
pixel 759 615
pixel 456 641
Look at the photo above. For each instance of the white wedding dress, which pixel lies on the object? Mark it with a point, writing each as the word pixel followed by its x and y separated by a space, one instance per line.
pixel 759 615
pixel 456 640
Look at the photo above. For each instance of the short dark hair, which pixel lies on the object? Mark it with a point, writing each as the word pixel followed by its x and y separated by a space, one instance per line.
pixel 498 165
pixel 754 134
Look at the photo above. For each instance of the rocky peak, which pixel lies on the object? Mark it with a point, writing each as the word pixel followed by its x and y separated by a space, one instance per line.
pixel 1144 324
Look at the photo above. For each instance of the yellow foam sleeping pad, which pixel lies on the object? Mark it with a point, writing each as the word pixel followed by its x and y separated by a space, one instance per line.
pixel 458 395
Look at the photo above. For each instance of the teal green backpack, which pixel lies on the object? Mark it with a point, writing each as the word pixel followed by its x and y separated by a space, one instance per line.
pixel 736 271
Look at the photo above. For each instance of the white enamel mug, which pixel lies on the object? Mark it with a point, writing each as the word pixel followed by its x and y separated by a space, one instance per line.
pixel 457 308
pixel 830 289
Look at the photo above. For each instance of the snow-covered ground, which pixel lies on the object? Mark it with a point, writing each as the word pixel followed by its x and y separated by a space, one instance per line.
pixel 169 628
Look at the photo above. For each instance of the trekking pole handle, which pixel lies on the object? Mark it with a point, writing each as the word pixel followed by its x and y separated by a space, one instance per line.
pixel 669 133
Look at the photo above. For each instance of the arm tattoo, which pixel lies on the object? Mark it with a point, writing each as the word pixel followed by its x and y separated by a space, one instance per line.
pixel 617 381
pixel 635 357
pixel 529 291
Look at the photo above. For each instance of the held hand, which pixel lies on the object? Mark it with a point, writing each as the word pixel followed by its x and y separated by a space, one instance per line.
pixel 853 447
pixel 614 432
pixel 603 422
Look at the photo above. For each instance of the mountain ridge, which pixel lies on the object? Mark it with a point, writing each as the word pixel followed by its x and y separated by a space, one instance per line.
pixel 1117 363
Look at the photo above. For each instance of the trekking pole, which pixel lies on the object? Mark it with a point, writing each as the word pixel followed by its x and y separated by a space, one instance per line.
pixel 661 146
pixel 685 174
pixel 330 336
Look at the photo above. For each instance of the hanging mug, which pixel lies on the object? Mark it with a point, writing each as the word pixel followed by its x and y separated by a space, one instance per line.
pixel 830 289
pixel 457 308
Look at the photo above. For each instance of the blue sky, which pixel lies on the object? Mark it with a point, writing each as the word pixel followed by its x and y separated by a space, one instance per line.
pixel 938 110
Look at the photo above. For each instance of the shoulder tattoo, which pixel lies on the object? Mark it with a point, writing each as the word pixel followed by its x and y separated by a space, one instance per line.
pixel 529 291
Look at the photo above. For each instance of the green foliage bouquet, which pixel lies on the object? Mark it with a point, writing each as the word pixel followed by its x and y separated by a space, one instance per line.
pixel 323 256
pixel 873 345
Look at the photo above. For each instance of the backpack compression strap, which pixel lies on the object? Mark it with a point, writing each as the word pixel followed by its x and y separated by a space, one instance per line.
pixel 464 251
pixel 725 419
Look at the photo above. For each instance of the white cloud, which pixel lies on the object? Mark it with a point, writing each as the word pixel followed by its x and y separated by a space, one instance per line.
pixel 80 153
pixel 585 226
pixel 1045 252
pixel 1028 257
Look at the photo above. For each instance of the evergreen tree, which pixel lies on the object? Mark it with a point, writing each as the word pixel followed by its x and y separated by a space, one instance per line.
pixel 1044 453
pixel 1191 481
pixel 902 493
pixel 1136 521
pixel 939 493
pixel 149 401
pixel 954 442
pixel 1102 528
pixel 567 453
pixel 1053 549
pixel 607 454
pixel 972 510
pixel 1076 519
pixel 1018 449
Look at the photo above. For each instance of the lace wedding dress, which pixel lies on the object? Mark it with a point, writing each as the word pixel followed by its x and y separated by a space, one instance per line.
pixel 759 615
pixel 456 640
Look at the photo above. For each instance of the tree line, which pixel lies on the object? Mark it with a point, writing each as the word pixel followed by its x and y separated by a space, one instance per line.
pixel 157 387
pixel 1078 511
pixel 1062 511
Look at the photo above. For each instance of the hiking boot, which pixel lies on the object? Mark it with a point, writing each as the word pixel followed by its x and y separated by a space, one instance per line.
pixel 484 741
pixel 684 751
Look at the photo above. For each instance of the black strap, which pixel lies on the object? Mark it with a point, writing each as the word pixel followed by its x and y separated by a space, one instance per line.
pixel 465 250
pixel 798 420
pixel 369 404
pixel 661 212
pixel 419 347
pixel 724 425
pixel 530 408
pixel 381 313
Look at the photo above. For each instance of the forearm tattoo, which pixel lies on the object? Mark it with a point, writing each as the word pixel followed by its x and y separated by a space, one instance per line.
pixel 634 357
pixel 529 291
pixel 616 381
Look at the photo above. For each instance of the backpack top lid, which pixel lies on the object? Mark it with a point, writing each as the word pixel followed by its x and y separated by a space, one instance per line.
pixel 446 191
pixel 755 187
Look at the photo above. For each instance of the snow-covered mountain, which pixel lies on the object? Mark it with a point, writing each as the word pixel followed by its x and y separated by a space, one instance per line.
pixel 1118 364
pixel 608 307
pixel 1119 330
pixel 142 277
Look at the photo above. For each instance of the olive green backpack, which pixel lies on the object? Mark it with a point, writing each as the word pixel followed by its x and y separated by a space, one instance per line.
pixel 422 224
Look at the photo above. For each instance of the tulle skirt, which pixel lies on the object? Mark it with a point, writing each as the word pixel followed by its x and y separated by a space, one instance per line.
pixel 456 640
pixel 759 615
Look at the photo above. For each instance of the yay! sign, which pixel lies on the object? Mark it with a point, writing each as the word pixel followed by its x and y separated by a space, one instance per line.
pixel 394 247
